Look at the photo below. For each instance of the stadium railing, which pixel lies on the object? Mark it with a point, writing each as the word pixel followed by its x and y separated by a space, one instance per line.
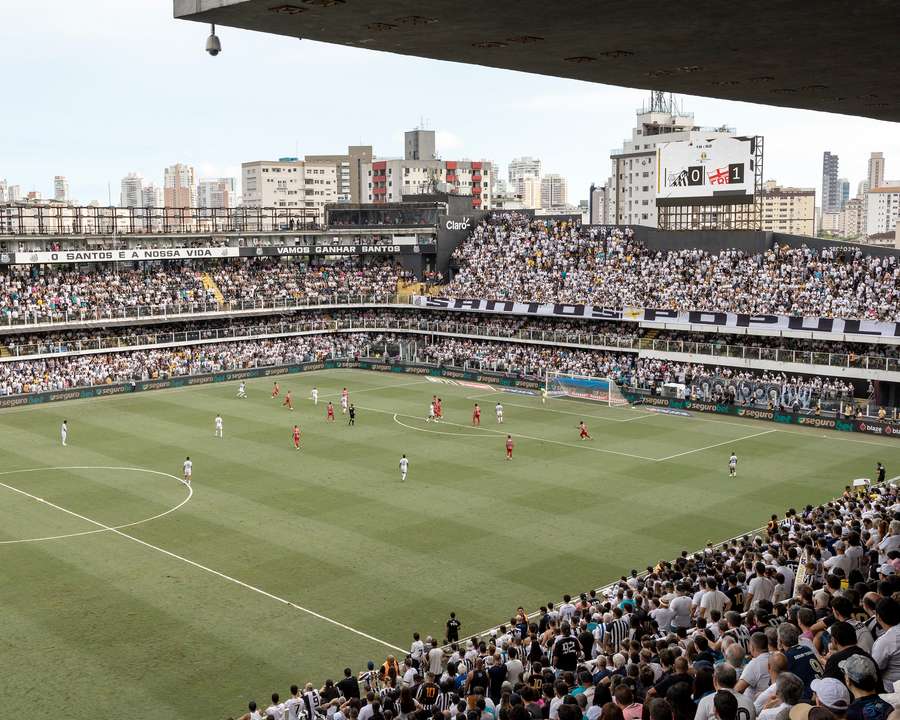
pixel 188 310
pixel 590 341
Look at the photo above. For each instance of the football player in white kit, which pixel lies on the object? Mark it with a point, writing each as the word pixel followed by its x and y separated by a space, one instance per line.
pixel 315 396
pixel 188 469
pixel 431 413
pixel 404 468
pixel 242 390
pixel 499 409
pixel 344 404
pixel 732 465
pixel 219 432
pixel 64 432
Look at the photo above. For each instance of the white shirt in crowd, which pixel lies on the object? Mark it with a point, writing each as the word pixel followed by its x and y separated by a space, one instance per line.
pixel 756 675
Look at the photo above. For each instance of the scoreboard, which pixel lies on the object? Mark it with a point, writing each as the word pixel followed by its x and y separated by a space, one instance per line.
pixel 706 168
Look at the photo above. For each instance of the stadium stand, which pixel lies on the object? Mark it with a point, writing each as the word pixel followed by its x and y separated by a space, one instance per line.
pixel 521 258
pixel 30 294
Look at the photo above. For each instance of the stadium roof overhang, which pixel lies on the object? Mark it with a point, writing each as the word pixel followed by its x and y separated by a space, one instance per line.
pixel 826 55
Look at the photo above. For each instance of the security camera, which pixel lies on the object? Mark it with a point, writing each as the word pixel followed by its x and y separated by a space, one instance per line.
pixel 213 44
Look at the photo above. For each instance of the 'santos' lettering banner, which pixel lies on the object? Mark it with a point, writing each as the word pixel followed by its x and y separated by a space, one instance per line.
pixel 105 256
pixel 833 326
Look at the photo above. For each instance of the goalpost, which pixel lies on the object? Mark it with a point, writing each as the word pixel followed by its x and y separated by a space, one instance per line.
pixel 584 387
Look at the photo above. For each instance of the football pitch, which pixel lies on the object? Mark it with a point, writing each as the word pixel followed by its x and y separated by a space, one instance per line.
pixel 125 591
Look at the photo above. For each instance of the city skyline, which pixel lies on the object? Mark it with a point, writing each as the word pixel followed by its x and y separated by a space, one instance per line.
pixel 117 126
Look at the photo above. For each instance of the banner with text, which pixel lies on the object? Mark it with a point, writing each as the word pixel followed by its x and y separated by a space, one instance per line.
pixel 831 326
pixel 144 255
pixel 303 250
pixel 138 254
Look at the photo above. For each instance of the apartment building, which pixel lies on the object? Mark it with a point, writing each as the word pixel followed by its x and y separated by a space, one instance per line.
pixel 789 209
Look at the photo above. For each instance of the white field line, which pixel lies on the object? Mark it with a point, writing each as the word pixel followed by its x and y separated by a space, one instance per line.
pixel 437 432
pixel 115 527
pixel 520 435
pixel 484 395
pixel 642 416
pixel 206 569
pixel 710 447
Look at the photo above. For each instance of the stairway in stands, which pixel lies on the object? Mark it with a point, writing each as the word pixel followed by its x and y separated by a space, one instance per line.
pixel 647 339
pixel 405 290
pixel 211 287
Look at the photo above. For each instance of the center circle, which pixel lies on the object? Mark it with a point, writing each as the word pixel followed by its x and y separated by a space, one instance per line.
pixel 109 528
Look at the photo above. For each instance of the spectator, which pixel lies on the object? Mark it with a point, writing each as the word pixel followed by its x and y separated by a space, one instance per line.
pixel 861 677
pixel 886 650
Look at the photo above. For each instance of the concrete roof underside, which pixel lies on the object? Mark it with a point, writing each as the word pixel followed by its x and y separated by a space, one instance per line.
pixel 829 55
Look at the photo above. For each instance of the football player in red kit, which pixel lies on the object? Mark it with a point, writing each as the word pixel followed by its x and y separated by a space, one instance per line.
pixel 275 389
pixel 288 401
pixel 330 410
pixel 509 447
pixel 438 411
pixel 296 435
pixel 583 431
pixel 476 415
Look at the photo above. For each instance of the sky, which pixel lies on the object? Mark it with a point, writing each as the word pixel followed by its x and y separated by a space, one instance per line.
pixel 95 89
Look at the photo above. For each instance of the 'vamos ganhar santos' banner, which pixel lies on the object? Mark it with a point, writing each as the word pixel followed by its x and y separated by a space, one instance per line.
pixel 774 323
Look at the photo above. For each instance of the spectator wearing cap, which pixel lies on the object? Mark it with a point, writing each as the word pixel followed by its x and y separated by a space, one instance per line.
pixel 886 650
pixel 832 694
pixel 724 680
pixel 789 691
pixel 843 645
pixel 861 676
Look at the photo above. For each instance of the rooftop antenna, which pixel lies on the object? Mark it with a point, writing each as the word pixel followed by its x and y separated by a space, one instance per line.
pixel 660 103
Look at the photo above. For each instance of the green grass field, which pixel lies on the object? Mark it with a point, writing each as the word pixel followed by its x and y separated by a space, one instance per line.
pixel 286 566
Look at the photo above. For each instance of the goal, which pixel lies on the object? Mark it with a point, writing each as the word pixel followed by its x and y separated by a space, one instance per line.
pixel 584 387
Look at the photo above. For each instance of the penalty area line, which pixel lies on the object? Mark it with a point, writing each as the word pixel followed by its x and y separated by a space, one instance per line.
pixel 206 569
pixel 710 447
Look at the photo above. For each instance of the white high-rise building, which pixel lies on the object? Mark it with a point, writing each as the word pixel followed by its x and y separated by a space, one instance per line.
pixel 153 196
pixel 60 189
pixel 631 199
pixel 531 193
pixel 217 193
pixel 882 208
pixel 521 168
pixel 4 186
pixel 290 183
pixel 14 193
pixel 131 194
pixel 554 191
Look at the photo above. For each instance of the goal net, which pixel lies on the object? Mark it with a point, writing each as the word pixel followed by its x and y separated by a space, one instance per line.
pixel 584 387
